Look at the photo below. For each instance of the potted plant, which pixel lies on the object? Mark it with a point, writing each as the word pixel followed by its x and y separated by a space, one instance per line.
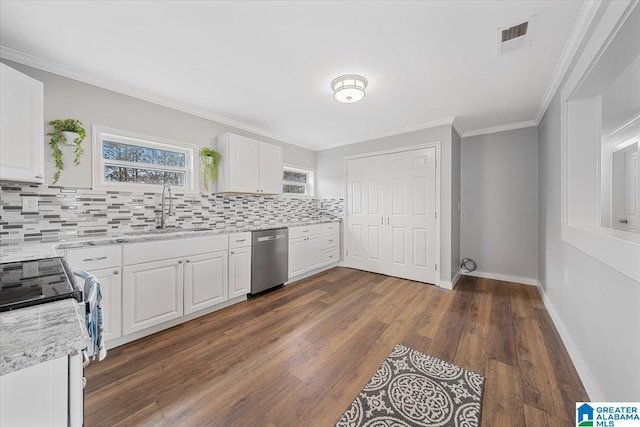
pixel 211 161
pixel 69 132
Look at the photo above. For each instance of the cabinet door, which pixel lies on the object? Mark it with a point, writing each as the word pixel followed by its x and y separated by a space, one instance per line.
pixel 21 127
pixel 313 255
pixel 239 272
pixel 152 294
pixel 243 165
pixel 270 168
pixel 205 281
pixel 111 289
pixel 296 256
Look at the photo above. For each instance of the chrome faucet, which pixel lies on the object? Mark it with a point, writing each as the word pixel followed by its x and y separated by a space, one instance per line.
pixel 163 216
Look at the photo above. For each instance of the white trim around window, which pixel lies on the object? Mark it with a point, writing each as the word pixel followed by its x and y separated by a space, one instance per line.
pixel 308 186
pixel 181 173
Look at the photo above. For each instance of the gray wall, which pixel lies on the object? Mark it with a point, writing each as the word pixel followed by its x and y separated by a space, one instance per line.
pixel 598 307
pixel 67 98
pixel 330 163
pixel 330 172
pixel 500 202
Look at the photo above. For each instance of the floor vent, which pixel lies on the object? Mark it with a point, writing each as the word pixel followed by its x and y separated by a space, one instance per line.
pixel 515 36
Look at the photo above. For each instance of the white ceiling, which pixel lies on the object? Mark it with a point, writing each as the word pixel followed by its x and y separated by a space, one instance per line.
pixel 267 66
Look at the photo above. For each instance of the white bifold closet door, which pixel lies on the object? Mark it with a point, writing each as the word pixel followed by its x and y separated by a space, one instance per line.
pixel 391 214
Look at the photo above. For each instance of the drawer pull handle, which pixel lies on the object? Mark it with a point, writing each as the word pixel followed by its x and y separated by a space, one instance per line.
pixel 100 258
pixel 241 240
pixel 180 261
pixel 116 272
pixel 330 240
pixel 330 256
pixel 305 231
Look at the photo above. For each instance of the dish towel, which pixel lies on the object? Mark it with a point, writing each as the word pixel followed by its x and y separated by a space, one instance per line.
pixel 93 314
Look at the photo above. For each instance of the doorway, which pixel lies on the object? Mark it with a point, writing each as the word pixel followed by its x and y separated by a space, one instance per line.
pixel 625 194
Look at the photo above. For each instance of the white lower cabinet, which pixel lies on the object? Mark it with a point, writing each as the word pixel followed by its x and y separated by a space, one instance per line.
pixel 239 264
pixel 37 395
pixel 152 294
pixel 104 262
pixel 312 253
pixel 297 256
pixel 111 289
pixel 312 247
pixel 239 272
pixel 205 281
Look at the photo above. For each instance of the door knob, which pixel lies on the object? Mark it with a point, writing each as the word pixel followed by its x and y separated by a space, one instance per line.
pixel 116 272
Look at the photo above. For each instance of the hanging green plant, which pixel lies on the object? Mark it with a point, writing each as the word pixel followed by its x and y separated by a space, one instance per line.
pixel 68 131
pixel 211 161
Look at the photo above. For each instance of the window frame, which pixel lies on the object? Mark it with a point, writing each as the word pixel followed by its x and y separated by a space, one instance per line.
pixel 311 173
pixel 581 149
pixel 191 168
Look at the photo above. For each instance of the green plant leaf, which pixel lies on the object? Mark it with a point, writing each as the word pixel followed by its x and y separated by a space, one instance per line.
pixel 66 125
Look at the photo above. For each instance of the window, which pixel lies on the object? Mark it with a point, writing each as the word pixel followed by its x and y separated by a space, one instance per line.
pixel 297 182
pixel 591 112
pixel 128 161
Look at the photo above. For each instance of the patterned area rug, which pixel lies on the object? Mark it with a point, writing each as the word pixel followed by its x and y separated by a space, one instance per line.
pixel 414 389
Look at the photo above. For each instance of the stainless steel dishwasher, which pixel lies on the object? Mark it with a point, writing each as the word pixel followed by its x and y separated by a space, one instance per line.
pixel 269 259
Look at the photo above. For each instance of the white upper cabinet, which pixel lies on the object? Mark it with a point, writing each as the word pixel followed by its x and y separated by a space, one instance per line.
pixel 270 168
pixel 21 127
pixel 249 166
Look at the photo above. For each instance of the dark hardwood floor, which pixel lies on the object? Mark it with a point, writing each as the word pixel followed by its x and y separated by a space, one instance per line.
pixel 298 356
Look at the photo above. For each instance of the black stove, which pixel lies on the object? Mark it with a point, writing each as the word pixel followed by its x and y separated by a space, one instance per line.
pixel 27 283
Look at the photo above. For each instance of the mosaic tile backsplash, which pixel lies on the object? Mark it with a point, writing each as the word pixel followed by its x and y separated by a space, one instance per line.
pixel 67 214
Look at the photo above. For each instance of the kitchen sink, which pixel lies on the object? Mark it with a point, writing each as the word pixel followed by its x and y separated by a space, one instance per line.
pixel 168 230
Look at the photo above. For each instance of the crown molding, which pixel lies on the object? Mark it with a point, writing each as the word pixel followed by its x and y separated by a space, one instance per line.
pixel 577 35
pixel 394 132
pixel 48 66
pixel 501 128
pixel 457 127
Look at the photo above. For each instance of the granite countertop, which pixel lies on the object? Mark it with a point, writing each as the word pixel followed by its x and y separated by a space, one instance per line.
pixel 45 250
pixel 33 335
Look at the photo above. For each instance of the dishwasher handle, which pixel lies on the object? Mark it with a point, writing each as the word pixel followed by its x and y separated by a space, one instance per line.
pixel 272 237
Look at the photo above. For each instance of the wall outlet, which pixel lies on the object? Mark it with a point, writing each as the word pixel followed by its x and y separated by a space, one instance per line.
pixel 566 276
pixel 29 204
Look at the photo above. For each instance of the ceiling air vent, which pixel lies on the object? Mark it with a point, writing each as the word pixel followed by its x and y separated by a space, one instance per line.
pixel 515 36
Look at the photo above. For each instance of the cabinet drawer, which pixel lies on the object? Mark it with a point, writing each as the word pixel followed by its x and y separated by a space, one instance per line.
pixel 330 228
pixel 239 240
pixel 329 256
pixel 137 253
pixel 304 231
pixel 96 258
pixel 329 241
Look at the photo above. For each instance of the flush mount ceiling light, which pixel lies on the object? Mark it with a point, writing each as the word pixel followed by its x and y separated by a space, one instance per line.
pixel 349 88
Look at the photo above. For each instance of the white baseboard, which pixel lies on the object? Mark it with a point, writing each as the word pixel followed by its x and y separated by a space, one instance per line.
pixel 311 273
pixel 452 284
pixel 589 383
pixel 116 342
pixel 503 277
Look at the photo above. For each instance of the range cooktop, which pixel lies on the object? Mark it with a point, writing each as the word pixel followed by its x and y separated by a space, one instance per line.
pixel 27 283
